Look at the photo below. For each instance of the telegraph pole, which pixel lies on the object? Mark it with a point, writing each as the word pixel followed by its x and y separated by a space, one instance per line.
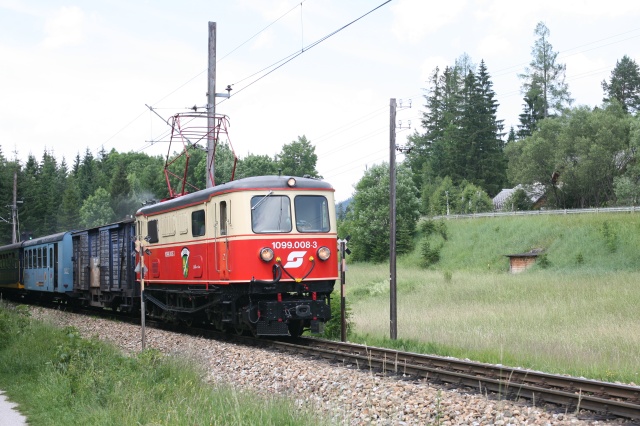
pixel 211 104
pixel 14 207
pixel 392 215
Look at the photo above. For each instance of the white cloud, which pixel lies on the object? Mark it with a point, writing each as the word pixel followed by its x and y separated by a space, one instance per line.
pixel 264 39
pixel 65 28
pixel 493 45
pixel 429 65
pixel 414 19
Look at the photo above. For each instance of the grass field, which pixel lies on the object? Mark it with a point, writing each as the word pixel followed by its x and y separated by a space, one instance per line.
pixel 578 316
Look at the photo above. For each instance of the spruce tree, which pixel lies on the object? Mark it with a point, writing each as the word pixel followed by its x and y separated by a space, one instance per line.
pixel 624 85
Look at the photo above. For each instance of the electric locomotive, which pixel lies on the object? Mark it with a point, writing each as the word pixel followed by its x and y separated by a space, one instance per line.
pixel 254 255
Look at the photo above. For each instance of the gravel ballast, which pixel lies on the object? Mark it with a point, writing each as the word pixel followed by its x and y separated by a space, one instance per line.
pixel 347 395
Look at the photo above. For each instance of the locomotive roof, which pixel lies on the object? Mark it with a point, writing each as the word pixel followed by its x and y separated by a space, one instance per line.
pixel 255 183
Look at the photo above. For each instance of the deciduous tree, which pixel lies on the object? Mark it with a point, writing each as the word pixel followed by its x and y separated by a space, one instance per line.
pixel 368 218
pixel 298 158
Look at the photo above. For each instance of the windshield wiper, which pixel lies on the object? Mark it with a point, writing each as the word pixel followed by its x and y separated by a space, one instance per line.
pixel 261 200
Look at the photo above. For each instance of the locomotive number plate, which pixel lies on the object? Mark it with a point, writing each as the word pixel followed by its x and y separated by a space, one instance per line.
pixel 294 244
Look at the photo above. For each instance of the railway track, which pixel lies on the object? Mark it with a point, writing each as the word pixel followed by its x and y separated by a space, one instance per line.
pixel 604 399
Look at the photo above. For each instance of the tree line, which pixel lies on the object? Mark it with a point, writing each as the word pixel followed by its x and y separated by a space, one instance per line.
pixel 94 190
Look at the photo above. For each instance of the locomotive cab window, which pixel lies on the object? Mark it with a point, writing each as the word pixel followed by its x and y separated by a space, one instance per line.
pixel 270 214
pixel 152 231
pixel 312 213
pixel 223 218
pixel 197 223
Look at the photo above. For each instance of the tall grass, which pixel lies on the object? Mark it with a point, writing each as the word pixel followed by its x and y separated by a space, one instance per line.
pixel 579 316
pixel 59 378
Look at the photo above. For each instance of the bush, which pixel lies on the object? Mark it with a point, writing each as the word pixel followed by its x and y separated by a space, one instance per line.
pixel 429 227
pixel 429 255
pixel 610 237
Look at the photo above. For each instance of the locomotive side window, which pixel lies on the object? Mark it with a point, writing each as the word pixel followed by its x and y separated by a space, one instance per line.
pixel 197 223
pixel 270 213
pixel 312 213
pixel 223 218
pixel 152 231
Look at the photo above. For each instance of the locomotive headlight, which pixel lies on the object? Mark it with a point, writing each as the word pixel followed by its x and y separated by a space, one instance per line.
pixel 266 254
pixel 291 182
pixel 324 253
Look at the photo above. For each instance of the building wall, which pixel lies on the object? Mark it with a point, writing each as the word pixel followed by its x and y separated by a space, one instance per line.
pixel 518 264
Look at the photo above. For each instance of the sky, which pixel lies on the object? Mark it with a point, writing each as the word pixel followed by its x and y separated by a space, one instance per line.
pixel 78 75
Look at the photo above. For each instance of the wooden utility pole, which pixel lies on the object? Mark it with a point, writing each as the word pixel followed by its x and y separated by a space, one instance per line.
pixel 211 104
pixel 14 207
pixel 392 216
pixel 343 268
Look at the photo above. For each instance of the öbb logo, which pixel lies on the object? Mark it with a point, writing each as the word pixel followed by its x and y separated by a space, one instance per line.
pixel 295 258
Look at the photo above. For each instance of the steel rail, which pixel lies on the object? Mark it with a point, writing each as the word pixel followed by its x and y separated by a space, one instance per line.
pixel 573 393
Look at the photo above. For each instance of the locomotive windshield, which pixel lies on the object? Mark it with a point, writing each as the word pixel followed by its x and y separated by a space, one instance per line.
pixel 270 214
pixel 312 213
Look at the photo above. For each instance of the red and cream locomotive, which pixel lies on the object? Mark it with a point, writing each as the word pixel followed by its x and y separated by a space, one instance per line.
pixel 253 255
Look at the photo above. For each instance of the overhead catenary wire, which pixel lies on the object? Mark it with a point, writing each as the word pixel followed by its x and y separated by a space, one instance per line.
pixel 273 67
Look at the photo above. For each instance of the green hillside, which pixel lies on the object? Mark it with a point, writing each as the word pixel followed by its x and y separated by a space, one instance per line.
pixel 575 312
pixel 599 242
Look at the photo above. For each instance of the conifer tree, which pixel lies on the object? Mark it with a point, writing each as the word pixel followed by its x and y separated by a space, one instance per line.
pixel 624 85
pixel 546 75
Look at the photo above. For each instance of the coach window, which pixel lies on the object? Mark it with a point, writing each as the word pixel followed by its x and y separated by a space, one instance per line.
pixel 270 213
pixel 44 258
pixel 197 223
pixel 223 218
pixel 312 213
pixel 39 257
